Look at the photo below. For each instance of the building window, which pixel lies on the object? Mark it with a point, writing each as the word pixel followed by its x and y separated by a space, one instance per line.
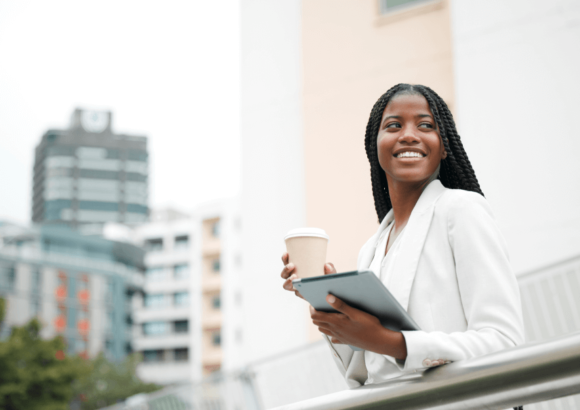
pixel 216 338
pixel 155 274
pixel 181 326
pixel 155 328
pixel 216 229
pixel 181 242
pixel 181 355
pixel 388 6
pixel 215 266
pixel 36 279
pixel 154 245
pixel 110 321
pixel 152 356
pixel 216 302
pixel 181 299
pixel 155 301
pixel 110 290
pixel 181 271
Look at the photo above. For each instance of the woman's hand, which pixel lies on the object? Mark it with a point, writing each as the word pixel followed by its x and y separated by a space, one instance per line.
pixel 357 328
pixel 289 273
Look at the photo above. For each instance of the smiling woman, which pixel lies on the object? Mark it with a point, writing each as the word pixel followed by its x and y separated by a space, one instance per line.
pixel 438 250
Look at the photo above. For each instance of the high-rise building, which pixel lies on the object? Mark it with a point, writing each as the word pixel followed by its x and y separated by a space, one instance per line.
pixel 87 174
pixel 79 287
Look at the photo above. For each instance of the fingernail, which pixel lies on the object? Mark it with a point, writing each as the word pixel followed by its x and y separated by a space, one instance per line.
pixel 331 299
pixel 311 308
pixel 328 266
pixel 290 266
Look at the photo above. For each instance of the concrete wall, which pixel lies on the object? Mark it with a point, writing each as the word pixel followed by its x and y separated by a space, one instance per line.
pixel 351 56
pixel 517 87
pixel 272 200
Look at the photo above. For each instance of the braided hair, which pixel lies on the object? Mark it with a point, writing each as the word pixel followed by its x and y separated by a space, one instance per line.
pixel 456 170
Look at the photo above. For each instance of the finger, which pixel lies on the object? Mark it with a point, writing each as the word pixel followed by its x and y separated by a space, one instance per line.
pixel 287 271
pixel 336 341
pixel 298 294
pixel 329 268
pixel 285 258
pixel 288 285
pixel 326 331
pixel 331 318
pixel 339 305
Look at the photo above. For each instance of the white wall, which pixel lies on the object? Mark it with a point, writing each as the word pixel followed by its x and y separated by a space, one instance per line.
pixel 517 71
pixel 272 200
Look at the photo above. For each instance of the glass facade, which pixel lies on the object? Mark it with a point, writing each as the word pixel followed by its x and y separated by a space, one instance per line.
pixel 80 179
pixel 75 284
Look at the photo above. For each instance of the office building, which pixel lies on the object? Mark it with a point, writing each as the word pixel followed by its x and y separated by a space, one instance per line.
pixel 79 287
pixel 88 175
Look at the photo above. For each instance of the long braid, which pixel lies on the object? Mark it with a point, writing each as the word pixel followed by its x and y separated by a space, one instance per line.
pixel 456 170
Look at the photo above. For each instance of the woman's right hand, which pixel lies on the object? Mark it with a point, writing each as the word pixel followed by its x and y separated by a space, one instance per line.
pixel 289 273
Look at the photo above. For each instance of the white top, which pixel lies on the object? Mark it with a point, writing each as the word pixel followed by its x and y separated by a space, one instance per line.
pixel 451 272
pixel 382 264
pixel 380 367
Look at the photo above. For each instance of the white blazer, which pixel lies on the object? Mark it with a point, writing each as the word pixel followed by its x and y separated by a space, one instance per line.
pixel 452 275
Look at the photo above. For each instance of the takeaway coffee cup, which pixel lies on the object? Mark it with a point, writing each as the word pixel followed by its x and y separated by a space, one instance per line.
pixel 307 250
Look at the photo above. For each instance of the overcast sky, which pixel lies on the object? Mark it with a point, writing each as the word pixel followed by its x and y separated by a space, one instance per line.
pixel 168 70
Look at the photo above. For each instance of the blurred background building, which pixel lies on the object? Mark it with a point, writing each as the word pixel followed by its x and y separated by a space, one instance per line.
pixel 192 263
pixel 88 175
pixel 78 286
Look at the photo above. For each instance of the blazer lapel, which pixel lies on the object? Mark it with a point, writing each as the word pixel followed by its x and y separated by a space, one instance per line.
pixel 412 241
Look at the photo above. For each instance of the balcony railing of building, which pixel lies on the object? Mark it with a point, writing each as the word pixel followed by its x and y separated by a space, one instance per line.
pixel 530 373
pixel 526 374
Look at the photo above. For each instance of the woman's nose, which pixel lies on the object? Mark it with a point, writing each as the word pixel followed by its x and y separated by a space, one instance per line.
pixel 409 137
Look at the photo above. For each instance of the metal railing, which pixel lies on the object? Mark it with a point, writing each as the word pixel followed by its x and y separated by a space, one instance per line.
pixel 521 375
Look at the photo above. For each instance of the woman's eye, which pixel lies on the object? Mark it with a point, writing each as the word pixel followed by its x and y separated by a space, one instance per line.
pixel 426 125
pixel 393 125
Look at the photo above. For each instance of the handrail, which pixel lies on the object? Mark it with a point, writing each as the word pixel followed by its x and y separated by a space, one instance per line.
pixel 530 373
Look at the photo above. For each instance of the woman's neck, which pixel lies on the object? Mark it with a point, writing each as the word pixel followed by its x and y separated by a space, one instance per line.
pixel 404 197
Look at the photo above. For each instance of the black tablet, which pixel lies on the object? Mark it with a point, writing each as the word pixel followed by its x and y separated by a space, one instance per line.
pixel 360 289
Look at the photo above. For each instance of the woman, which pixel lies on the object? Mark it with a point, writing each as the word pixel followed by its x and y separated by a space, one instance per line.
pixel 438 250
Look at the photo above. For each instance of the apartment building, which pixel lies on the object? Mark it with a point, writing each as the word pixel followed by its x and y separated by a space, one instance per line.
pixel 179 324
pixel 162 327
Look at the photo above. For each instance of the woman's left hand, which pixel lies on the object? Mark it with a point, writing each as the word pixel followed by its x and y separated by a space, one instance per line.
pixel 357 328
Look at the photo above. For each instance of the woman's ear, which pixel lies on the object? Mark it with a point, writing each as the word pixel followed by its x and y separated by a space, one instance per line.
pixel 444 154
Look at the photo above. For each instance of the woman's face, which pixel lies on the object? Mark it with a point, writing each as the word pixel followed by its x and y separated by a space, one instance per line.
pixel 409 146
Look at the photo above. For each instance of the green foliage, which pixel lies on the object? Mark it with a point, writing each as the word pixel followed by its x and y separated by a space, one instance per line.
pixel 108 383
pixel 2 309
pixel 36 374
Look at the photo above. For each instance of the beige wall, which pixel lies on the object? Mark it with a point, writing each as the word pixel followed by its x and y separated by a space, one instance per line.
pixel 351 56
pixel 211 286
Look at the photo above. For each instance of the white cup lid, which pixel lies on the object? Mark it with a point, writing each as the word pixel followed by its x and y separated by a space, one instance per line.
pixel 298 232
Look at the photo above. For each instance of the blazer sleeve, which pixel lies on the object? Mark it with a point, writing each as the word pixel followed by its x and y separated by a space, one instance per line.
pixel 489 290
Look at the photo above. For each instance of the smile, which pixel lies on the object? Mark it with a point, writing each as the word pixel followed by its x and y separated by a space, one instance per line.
pixel 409 154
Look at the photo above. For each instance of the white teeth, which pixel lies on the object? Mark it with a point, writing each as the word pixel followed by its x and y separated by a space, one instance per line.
pixel 409 154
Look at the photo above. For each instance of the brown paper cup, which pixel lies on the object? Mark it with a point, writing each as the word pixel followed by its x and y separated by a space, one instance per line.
pixel 307 251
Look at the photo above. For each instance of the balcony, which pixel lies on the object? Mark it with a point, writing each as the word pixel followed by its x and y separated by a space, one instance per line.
pixel 165 372
pixel 167 341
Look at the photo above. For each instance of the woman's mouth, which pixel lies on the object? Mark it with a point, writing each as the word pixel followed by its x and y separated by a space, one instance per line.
pixel 409 154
